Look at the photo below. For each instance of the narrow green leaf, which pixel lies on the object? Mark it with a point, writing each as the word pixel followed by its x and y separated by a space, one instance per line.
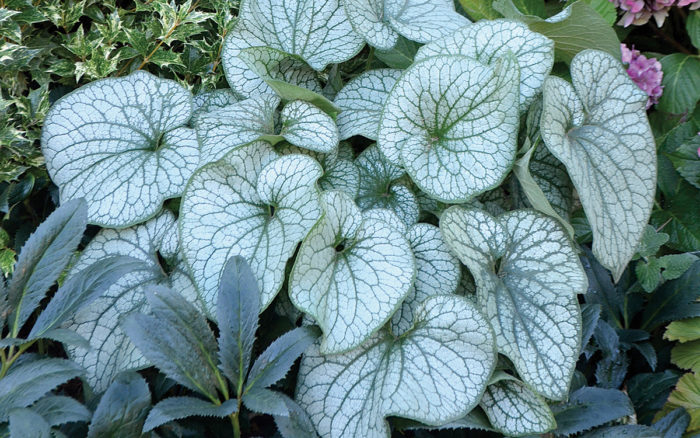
pixel 626 431
pixel 673 424
pixel 237 312
pixel 176 339
pixel 649 391
pixel 42 259
pixel 292 92
pixel 296 424
pixel 175 408
pixel 26 383
pixel 122 409
pixel 4 305
pixel 81 289
pixel 25 423
pixel 265 401
pixel 59 409
pixel 156 243
pixel 590 315
pixel 67 337
pixel 274 363
pixel 589 407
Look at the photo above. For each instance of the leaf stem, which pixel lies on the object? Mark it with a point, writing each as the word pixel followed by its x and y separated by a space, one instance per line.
pixel 217 61
pixel 236 425
pixel 11 358
pixel 670 40
pixel 167 35
pixel 663 225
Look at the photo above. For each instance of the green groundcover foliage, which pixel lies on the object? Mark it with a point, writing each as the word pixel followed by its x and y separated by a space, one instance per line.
pixel 349 218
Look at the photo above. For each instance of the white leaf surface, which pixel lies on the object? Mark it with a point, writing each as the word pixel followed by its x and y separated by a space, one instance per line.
pixel 306 126
pixel 287 77
pixel 224 129
pixel 350 274
pixel 379 187
pixel 368 19
pixel 437 272
pixel 388 216
pixel 537 170
pixel 514 410
pixel 361 101
pixel 434 373
pixel 111 350
pixel 251 203
pixel 598 128
pixel 452 123
pixel 123 145
pixel 423 20
pixel 211 100
pixel 528 276
pixel 317 32
pixel 380 21
pixel 339 169
pixel 489 40
pixel 252 67
pixel 550 174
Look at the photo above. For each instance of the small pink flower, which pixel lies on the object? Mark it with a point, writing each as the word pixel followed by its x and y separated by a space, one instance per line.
pixel 639 12
pixel 694 3
pixel 646 73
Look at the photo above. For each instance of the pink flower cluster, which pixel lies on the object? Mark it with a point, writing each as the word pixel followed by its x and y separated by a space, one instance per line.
pixel 640 11
pixel 646 73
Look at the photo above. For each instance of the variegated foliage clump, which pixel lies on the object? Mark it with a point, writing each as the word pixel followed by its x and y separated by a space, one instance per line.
pixel 438 261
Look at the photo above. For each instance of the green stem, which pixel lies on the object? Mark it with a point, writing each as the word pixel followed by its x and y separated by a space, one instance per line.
pixel 6 364
pixel 678 46
pixel 236 425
